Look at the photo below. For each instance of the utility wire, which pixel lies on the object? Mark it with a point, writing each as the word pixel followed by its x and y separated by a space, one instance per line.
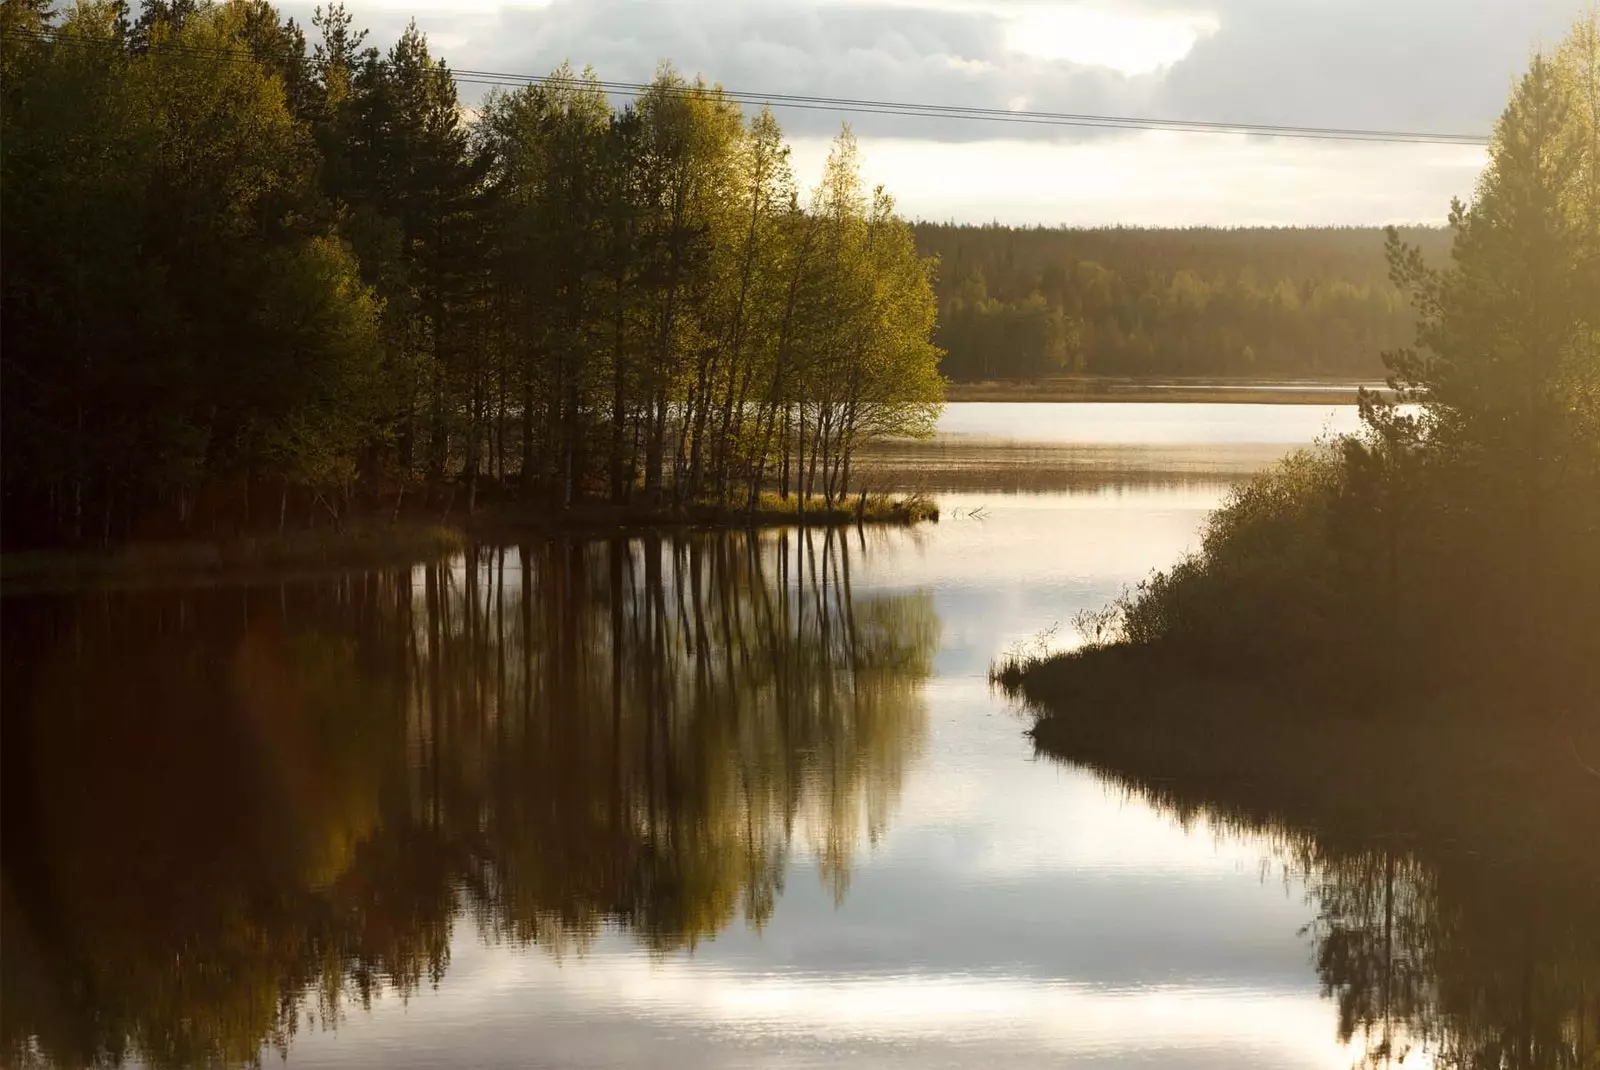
pixel 848 105
pixel 884 107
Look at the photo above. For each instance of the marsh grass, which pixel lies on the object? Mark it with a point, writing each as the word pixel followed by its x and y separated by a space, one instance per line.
pixel 769 510
pixel 865 508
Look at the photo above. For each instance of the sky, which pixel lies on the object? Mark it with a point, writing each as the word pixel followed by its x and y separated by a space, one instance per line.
pixel 1425 65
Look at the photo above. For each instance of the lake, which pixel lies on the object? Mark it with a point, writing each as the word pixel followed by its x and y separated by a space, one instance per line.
pixel 685 800
pixel 988 447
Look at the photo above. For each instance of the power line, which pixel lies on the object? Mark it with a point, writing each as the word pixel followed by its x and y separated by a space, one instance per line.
pixel 855 106
pixel 884 107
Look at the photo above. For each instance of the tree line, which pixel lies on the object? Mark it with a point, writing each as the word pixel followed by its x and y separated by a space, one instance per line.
pixel 251 270
pixel 1031 302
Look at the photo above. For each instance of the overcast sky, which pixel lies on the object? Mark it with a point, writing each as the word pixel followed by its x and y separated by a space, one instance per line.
pixel 1433 65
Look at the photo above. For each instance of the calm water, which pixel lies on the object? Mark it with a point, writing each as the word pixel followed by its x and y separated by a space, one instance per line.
pixel 709 800
pixel 1150 423
pixel 1037 447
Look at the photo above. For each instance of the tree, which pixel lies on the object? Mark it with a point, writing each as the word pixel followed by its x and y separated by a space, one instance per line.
pixel 155 200
pixel 1508 348
pixel 868 368
pixel 1024 303
pixel 220 230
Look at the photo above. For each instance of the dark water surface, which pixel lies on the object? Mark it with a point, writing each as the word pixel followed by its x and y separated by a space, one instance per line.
pixel 693 800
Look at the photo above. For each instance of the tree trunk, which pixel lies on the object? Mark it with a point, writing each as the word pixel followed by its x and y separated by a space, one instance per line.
pixel 500 425
pixel 787 447
pixel 708 373
pixel 618 394
pixel 655 444
pixel 526 475
pixel 800 465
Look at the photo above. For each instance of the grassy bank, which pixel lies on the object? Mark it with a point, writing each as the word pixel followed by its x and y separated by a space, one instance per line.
pixel 363 543
pixel 770 510
pixel 1100 388
pixel 369 542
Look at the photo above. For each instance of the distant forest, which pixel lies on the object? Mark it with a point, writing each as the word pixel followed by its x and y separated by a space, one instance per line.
pixel 1021 303
pixel 257 276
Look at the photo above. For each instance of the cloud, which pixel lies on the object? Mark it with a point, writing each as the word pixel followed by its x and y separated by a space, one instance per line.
pixel 978 55
pixel 1131 42
pixel 1160 178
pixel 1387 64
pixel 1384 64
pixel 1378 63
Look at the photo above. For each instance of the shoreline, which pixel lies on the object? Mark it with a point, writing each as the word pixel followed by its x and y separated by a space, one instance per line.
pixel 592 518
pixel 1428 830
pixel 367 541
pixel 1309 755
pixel 1179 391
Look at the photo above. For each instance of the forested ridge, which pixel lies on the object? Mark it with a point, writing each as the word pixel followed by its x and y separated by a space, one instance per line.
pixel 258 277
pixel 1023 303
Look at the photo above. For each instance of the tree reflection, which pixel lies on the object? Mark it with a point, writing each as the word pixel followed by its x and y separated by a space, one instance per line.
pixel 231 811
pixel 1451 867
pixel 1476 960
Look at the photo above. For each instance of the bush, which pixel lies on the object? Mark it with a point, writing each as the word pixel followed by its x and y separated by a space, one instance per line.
pixel 1355 558
pixel 1268 577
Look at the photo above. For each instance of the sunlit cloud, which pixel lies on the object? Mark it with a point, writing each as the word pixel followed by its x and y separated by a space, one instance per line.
pixel 1160 178
pixel 1129 42
pixel 1099 33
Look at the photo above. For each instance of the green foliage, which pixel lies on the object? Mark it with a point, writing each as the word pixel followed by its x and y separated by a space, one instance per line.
pixel 239 274
pixel 1026 303
pixel 171 316
pixel 1270 580
pixel 1457 537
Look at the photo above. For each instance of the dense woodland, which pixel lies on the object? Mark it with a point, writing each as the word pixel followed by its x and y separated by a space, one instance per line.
pixel 1282 302
pixel 256 276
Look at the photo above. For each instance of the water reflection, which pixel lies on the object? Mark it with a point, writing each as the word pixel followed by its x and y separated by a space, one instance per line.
pixel 1145 423
pixel 232 810
pixel 990 466
pixel 1463 958
pixel 522 787
pixel 1451 869
pixel 1040 447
